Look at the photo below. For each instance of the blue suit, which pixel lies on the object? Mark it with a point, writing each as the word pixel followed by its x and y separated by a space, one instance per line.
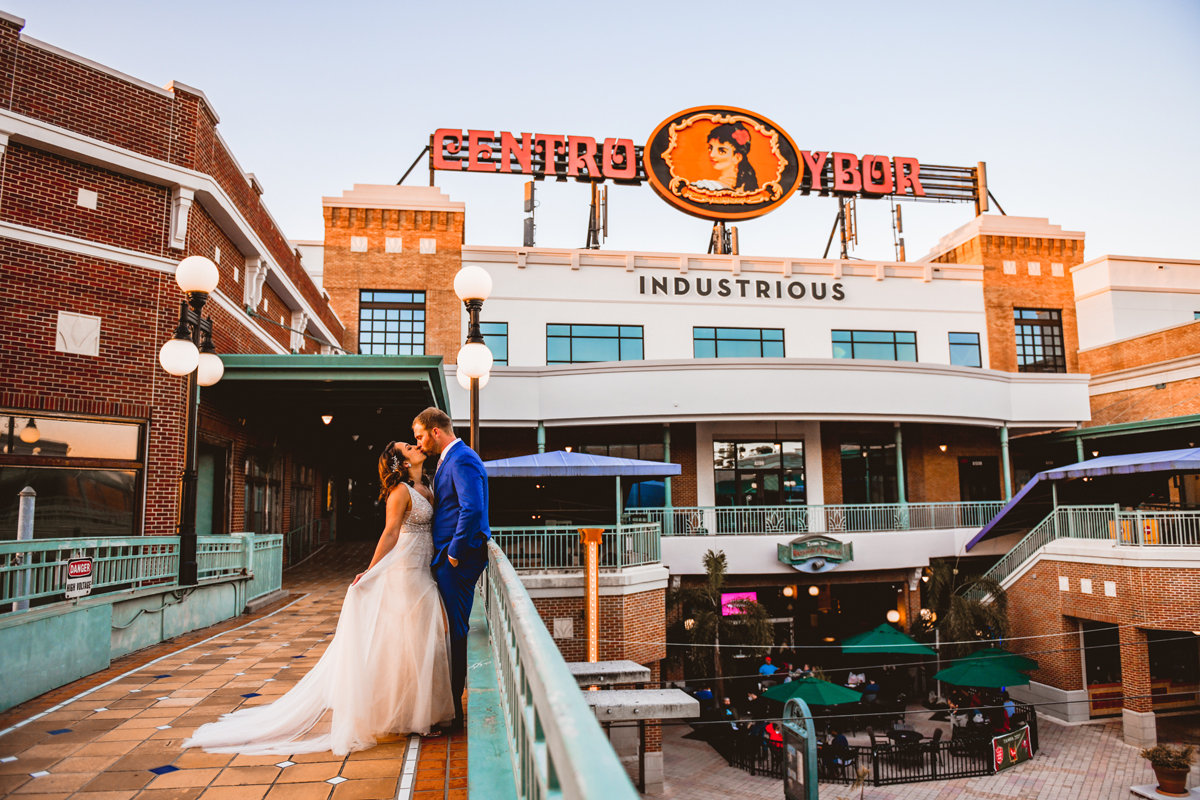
pixel 460 530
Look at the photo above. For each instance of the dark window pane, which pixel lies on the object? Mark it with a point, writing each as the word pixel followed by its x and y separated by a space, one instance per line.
pixel 70 502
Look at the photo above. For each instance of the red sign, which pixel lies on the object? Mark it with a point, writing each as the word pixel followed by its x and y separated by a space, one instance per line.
pixel 79 568
pixel 539 154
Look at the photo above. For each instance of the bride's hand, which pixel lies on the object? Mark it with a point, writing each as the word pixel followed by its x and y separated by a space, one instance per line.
pixel 357 578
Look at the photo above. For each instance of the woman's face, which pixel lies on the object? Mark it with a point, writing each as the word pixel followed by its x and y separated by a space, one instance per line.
pixel 722 156
pixel 410 453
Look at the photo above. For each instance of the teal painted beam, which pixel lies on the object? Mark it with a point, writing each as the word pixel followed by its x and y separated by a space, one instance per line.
pixel 491 774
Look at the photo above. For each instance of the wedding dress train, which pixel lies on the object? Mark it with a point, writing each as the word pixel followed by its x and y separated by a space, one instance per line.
pixel 387 669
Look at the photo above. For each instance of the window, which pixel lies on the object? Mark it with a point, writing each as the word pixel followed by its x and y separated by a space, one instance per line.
pixel 87 474
pixel 495 335
pixel 577 344
pixel 738 342
pixel 263 501
pixel 1039 340
pixel 391 323
pixel 964 350
pixel 1196 315
pixel 759 473
pixel 869 473
pixel 879 345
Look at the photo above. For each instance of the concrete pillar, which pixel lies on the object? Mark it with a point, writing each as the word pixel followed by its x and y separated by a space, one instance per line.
pixel 1137 716
pixel 667 460
pixel 541 433
pixel 1005 464
pixel 1079 449
pixel 25 506
pixel 900 494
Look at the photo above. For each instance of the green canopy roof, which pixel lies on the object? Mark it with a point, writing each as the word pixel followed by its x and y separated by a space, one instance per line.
pixel 813 691
pixel 1002 656
pixel 982 672
pixel 885 639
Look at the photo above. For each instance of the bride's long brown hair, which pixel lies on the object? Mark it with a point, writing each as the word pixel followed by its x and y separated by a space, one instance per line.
pixel 393 472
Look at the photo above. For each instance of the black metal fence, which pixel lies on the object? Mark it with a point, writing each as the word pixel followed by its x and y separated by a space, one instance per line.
pixel 967 755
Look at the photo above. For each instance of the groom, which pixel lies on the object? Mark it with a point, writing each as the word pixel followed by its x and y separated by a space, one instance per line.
pixel 460 534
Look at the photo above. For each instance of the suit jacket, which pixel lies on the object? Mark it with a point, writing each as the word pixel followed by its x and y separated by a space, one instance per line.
pixel 460 512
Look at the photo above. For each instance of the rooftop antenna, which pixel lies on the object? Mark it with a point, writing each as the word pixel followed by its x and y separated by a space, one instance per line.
pixel 530 205
pixel 597 217
pixel 897 232
pixel 722 241
pixel 847 220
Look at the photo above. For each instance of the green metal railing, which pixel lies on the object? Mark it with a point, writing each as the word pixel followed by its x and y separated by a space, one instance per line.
pixel 1102 523
pixel 557 746
pixel 559 547
pixel 302 542
pixel 36 570
pixel 865 518
pixel 266 565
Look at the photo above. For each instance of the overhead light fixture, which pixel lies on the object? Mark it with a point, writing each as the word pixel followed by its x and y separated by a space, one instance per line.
pixel 354 437
pixel 30 433
pixel 829 639
pixel 1095 453
pixel 925 578
pixel 689 624
pixel 568 449
pixel 788 591
pixel 814 590
pixel 942 447
pixel 327 418
pixel 893 616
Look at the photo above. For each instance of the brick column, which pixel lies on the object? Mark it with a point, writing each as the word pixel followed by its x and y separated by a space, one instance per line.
pixel 1137 716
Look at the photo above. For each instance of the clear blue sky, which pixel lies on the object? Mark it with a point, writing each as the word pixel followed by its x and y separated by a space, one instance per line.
pixel 1086 112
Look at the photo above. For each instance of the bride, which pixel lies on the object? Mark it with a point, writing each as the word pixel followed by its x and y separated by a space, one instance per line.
pixel 387 669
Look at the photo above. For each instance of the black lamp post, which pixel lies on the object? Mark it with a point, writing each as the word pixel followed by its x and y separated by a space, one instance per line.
pixel 190 352
pixel 473 285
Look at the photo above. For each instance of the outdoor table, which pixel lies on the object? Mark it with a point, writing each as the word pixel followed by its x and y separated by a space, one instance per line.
pixel 904 737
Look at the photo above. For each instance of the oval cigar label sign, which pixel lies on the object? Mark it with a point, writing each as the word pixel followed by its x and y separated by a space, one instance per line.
pixel 720 162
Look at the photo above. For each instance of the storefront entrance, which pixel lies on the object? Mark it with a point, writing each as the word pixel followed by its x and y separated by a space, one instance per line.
pixel 759 473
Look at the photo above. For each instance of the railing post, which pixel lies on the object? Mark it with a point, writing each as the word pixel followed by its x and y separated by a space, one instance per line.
pixel 24 534
pixel 248 553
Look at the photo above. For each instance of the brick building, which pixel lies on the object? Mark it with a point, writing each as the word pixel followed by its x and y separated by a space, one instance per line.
pixel 106 183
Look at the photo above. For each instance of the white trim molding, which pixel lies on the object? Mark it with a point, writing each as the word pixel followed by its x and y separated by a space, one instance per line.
pixel 181 203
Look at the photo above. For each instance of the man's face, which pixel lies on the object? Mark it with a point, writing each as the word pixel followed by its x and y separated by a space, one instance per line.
pixel 427 439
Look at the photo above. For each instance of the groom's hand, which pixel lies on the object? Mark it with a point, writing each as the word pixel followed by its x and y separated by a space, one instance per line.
pixel 453 561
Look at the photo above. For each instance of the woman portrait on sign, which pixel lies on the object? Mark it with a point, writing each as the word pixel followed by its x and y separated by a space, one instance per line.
pixel 729 154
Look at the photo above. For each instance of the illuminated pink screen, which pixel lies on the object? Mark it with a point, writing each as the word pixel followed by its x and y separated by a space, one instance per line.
pixel 733 597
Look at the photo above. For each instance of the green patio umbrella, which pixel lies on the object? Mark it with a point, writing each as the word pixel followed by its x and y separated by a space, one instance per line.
pixel 982 673
pixel 885 639
pixel 813 691
pixel 1002 656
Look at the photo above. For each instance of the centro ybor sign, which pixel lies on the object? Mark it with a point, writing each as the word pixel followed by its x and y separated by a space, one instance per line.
pixel 815 553
pixel 714 162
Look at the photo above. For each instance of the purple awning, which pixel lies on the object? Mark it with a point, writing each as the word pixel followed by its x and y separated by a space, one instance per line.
pixel 561 464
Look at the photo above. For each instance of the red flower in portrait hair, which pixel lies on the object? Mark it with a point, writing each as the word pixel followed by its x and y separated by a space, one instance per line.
pixel 741 137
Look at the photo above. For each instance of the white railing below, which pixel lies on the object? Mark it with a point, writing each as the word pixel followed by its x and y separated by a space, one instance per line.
pixel 866 518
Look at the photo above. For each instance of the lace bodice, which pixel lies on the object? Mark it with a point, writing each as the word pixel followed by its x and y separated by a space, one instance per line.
pixel 417 531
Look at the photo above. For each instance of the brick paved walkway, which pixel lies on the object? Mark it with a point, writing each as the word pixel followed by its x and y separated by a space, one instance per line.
pixel 121 739
pixel 1083 762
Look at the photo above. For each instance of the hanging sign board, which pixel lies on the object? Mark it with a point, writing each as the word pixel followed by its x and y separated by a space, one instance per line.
pixel 714 162
pixel 815 553
pixel 79 577
pixel 1010 749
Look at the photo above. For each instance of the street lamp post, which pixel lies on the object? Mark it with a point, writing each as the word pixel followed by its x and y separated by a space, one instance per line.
pixel 190 352
pixel 473 285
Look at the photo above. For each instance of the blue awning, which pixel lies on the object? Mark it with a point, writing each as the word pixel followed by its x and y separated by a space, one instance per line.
pixel 1035 500
pixel 563 464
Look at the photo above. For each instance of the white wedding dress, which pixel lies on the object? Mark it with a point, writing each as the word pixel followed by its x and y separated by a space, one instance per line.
pixel 387 669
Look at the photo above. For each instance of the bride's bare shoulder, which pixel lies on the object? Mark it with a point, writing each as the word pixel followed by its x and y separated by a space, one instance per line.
pixel 399 496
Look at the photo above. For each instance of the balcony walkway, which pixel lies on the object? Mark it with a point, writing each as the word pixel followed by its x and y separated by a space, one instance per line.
pixel 120 739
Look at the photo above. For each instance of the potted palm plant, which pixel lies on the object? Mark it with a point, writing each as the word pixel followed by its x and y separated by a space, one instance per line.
pixel 1171 767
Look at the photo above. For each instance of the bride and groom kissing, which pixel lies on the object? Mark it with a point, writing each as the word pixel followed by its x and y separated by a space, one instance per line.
pixel 398 660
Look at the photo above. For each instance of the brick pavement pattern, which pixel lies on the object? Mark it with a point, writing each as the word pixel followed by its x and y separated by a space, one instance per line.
pixel 1080 762
pixel 122 739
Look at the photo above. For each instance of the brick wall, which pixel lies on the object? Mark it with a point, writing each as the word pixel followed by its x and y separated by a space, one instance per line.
pixel 409 270
pixel 1003 292
pixel 932 474
pixel 1175 399
pixel 1176 342
pixel 1152 598
pixel 41 190
pixel 632 627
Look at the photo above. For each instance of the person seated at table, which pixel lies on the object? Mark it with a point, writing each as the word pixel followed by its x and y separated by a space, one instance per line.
pixel 870 692
pixel 806 671
pixel 1010 707
pixel 767 668
pixel 705 697
pixel 837 738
